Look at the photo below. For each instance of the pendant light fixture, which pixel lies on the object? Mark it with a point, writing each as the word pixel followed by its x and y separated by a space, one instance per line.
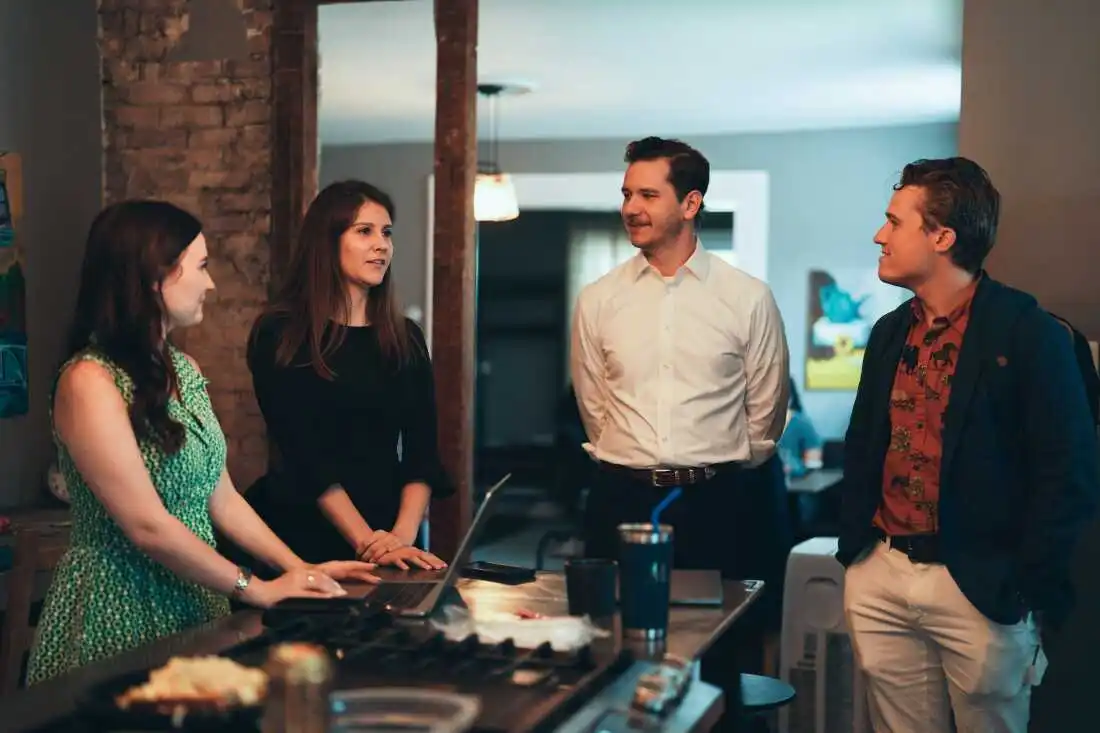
pixel 494 192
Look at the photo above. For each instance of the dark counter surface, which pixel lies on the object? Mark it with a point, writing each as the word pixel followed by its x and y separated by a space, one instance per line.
pixel 691 632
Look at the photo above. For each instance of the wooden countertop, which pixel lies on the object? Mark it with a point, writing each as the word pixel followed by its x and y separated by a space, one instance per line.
pixel 691 632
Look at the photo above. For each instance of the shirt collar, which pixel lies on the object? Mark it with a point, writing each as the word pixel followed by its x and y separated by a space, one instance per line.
pixel 958 311
pixel 698 264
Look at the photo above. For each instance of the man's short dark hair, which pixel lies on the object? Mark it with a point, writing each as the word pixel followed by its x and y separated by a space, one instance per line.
pixel 959 195
pixel 688 170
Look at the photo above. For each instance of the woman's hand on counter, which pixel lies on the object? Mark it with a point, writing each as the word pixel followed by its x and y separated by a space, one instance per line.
pixel 404 557
pixel 304 582
pixel 395 548
pixel 349 570
pixel 379 543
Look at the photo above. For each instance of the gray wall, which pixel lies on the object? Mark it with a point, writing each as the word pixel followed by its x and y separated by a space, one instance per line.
pixel 50 115
pixel 828 192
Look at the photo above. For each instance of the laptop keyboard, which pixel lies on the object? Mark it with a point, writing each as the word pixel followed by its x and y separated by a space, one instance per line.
pixel 401 595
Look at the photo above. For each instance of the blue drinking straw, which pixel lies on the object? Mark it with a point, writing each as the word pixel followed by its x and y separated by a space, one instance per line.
pixel 655 517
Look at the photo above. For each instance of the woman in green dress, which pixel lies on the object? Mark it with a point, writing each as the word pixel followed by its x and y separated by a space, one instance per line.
pixel 144 457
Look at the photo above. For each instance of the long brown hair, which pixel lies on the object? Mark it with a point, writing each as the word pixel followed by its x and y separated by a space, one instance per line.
pixel 132 247
pixel 314 292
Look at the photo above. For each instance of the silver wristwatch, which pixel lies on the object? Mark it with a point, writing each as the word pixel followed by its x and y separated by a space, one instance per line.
pixel 244 577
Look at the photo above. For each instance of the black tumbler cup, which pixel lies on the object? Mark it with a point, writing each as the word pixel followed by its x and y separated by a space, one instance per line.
pixel 645 567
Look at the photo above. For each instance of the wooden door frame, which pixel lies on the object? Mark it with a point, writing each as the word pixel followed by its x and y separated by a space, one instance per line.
pixel 294 74
pixel 294 154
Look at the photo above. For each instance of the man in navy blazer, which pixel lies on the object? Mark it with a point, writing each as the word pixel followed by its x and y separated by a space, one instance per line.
pixel 970 470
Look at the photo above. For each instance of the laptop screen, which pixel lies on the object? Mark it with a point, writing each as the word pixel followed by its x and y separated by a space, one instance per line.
pixel 467 547
pixel 454 568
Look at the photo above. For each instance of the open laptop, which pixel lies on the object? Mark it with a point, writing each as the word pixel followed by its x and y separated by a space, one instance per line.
pixel 696 588
pixel 418 597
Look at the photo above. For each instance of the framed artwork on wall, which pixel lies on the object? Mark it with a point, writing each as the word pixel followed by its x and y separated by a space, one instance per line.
pixel 13 300
pixel 843 305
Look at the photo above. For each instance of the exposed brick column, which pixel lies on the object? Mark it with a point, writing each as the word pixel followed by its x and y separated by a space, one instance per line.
pixel 453 333
pixel 199 134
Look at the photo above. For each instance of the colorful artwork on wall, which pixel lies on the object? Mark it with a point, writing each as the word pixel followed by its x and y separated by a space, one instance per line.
pixel 843 307
pixel 13 316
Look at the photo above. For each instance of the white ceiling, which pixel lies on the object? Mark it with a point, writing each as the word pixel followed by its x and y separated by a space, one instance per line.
pixel 622 68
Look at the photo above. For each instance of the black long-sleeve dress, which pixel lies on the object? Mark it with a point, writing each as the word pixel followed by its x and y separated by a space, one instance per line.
pixel 371 430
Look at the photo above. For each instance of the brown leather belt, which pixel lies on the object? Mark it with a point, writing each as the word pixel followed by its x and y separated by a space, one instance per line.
pixel 662 477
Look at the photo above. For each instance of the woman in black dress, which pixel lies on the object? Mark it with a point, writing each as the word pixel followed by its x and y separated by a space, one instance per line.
pixel 345 385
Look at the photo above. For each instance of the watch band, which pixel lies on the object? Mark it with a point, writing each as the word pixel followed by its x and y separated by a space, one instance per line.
pixel 244 577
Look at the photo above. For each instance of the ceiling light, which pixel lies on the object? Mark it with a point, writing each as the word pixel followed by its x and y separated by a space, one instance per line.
pixel 494 193
pixel 495 197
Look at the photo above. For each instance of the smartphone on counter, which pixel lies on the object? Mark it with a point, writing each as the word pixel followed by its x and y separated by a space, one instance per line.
pixel 498 573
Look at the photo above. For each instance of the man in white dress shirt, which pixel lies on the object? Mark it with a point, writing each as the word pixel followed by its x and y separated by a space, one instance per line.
pixel 681 370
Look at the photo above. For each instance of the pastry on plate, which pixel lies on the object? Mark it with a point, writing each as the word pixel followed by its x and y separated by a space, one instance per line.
pixel 196 684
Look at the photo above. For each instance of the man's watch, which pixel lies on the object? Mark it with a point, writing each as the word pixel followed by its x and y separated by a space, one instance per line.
pixel 244 577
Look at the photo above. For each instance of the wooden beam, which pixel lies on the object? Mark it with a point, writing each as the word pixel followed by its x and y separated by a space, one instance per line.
pixel 294 154
pixel 453 324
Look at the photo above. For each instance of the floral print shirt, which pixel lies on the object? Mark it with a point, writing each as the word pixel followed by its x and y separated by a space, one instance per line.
pixel 918 406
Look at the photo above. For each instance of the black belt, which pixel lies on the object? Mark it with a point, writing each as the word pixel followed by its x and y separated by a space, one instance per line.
pixel 923 548
pixel 668 477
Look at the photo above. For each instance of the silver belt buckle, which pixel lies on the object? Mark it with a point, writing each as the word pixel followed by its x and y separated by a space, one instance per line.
pixel 657 475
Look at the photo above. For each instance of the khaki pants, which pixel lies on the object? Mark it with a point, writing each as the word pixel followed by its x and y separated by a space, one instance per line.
pixel 927 652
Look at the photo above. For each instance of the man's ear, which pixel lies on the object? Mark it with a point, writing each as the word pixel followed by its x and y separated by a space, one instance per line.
pixel 691 204
pixel 945 240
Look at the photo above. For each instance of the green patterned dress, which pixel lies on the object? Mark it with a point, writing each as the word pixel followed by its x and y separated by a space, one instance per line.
pixel 107 596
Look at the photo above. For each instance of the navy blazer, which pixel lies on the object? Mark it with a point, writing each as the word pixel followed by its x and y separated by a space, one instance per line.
pixel 1020 476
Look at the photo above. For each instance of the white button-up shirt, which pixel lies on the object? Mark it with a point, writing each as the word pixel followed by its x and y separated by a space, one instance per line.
pixel 689 370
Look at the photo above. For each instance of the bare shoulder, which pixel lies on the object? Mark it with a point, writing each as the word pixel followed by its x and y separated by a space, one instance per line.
pixel 83 375
pixel 86 382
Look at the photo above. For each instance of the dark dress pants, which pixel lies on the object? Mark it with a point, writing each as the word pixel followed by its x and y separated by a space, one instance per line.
pixel 737 523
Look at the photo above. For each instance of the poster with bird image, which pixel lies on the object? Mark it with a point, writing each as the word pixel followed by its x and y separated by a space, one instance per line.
pixel 13 316
pixel 844 305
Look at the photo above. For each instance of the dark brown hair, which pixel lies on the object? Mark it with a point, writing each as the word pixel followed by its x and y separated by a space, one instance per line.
pixel 132 246
pixel 688 169
pixel 958 195
pixel 314 292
